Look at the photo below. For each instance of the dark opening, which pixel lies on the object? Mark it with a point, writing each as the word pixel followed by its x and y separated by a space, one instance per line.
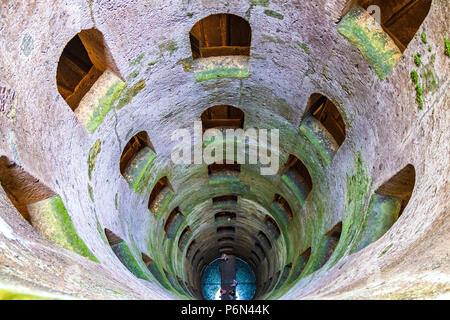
pixel 225 216
pixel 21 187
pixel 225 229
pixel 221 168
pixel 229 198
pixel 264 239
pixel 113 239
pixel 225 239
pixel 136 144
pixel 325 111
pixel 400 186
pixel 172 221
pixel 272 226
pixel 159 190
pixel 82 62
pixel 190 248
pixel 220 35
pixel 184 234
pixel 296 169
pixel 222 117
pixel 284 206
pixel 400 18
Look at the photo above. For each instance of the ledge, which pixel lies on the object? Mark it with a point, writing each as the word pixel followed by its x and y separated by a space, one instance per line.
pixel 319 137
pixel 123 253
pixel 138 173
pixel 381 215
pixel 237 67
pixel 377 47
pixel 162 201
pixel 96 104
pixel 53 222
pixel 293 181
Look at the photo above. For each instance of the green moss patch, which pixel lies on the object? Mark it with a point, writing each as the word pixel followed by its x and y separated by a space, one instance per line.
pixel 92 158
pixel 52 220
pixel 221 73
pixel 13 295
pixel 104 105
pixel 320 139
pixel 138 172
pixel 123 253
pixel 130 93
pixel 273 14
pixel 366 34
pixel 382 213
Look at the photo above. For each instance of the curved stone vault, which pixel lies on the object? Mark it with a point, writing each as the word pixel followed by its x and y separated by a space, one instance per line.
pixel 92 206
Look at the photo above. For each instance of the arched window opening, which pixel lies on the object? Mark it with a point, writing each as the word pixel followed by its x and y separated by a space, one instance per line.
pixel 216 168
pixel 272 226
pixel 225 239
pixel 223 117
pixel 220 35
pixel 227 250
pixel 173 222
pixel 283 206
pixel 221 230
pixel 83 61
pixel 386 206
pixel 297 176
pixel 400 19
pixel 260 251
pixel 224 200
pixel 326 112
pixel 264 240
pixel 254 256
pixel 162 190
pixel 302 261
pixel 332 238
pixel 400 187
pixel 191 248
pixel 22 188
pixel 135 146
pixel 112 238
pixel 184 237
pixel 286 272
pixel 225 216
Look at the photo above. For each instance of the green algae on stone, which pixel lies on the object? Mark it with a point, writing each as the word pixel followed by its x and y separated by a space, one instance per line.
pixel 91 193
pixel 419 91
pixel 223 177
pixel 417 59
pixel 187 64
pixel 52 220
pixel 137 60
pixel 447 47
pixel 221 73
pixel 161 202
pixel 221 67
pixel 304 47
pixel 262 3
pixel 123 253
pixel 367 35
pixel 168 45
pixel 129 93
pixel 319 137
pixel 104 105
pixel 92 158
pixel 424 38
pixel 138 172
pixel 13 295
pixel 296 185
pixel 382 213
pixel 273 14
